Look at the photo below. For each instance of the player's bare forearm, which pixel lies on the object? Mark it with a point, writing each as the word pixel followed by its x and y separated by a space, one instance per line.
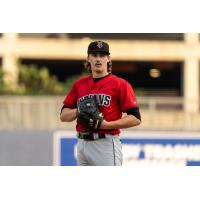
pixel 125 122
pixel 68 115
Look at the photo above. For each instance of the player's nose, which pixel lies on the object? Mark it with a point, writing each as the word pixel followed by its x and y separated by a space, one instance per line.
pixel 98 58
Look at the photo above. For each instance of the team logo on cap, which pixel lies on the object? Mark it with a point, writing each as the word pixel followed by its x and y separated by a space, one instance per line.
pixel 99 44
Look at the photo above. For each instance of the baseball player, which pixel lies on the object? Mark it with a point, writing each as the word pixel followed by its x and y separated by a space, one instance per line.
pixel 97 102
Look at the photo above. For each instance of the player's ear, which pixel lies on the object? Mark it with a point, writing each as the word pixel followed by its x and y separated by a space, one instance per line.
pixel 109 58
pixel 88 59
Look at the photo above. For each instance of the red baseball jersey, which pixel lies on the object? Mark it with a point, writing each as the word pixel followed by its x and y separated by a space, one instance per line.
pixel 114 95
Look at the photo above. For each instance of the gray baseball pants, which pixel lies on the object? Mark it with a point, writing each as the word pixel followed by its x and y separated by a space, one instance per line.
pixel 101 152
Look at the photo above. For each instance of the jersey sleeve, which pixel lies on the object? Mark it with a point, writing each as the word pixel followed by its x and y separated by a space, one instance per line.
pixel 127 98
pixel 70 100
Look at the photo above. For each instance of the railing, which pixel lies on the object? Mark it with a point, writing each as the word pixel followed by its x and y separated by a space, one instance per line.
pixel 30 112
pixel 42 112
pixel 161 103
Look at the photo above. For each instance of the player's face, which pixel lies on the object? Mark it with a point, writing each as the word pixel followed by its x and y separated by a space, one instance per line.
pixel 98 62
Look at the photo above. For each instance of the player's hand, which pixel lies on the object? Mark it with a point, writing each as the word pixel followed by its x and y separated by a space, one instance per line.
pixel 104 124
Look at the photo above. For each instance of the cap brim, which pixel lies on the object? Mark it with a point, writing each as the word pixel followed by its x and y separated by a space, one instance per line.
pixel 104 52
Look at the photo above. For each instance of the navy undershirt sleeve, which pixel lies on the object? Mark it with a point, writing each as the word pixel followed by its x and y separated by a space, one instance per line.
pixel 135 112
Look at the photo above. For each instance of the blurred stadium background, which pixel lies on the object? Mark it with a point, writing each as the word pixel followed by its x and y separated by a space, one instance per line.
pixel 163 68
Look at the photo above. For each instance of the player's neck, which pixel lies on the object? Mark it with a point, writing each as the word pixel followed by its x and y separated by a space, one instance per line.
pixel 95 75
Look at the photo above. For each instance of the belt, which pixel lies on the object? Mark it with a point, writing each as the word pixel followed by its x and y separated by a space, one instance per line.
pixel 90 136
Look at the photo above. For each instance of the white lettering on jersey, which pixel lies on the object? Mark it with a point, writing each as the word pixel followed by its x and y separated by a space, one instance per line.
pixel 102 99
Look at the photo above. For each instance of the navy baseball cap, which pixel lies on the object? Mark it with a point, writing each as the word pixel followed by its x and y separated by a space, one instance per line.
pixel 98 46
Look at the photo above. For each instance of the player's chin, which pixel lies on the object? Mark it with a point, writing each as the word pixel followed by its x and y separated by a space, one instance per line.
pixel 98 70
pixel 98 67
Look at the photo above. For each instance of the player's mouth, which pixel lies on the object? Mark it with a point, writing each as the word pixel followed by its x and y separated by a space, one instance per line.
pixel 98 64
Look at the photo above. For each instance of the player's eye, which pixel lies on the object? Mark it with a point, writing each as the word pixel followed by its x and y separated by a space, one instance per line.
pixel 102 55
pixel 94 55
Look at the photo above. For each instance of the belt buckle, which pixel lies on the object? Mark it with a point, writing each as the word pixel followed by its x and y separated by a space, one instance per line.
pixel 82 135
pixel 91 136
pixel 79 135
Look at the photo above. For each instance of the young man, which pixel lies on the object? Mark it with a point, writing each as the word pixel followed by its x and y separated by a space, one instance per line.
pixel 114 95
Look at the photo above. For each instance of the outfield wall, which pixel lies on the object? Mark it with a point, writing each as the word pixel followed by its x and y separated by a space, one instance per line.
pixel 143 148
pixel 26 148
pixel 47 148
